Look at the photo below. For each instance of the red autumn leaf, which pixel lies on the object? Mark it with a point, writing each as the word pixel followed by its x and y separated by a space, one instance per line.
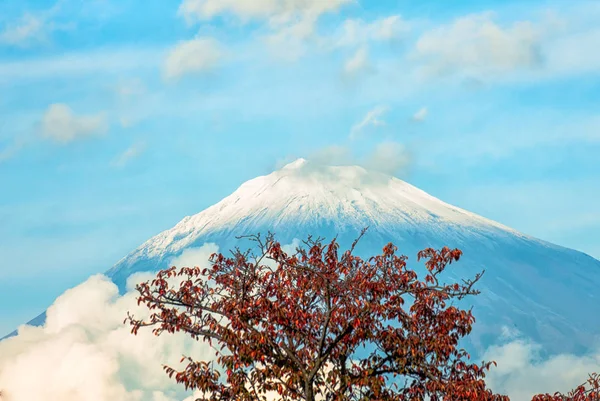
pixel 325 324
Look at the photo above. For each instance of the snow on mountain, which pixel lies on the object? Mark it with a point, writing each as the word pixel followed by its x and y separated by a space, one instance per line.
pixel 544 291
pixel 302 194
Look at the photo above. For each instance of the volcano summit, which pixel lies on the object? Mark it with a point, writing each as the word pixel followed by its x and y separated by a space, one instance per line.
pixel 303 198
pixel 545 292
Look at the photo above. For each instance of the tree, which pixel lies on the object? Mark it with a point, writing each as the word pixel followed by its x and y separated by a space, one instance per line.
pixel 317 325
pixel 581 393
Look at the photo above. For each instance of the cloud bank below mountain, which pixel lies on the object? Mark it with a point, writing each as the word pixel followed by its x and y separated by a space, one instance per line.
pixel 84 352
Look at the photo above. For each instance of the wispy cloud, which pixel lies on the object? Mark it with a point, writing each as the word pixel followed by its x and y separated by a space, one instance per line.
pixel 333 155
pixel 388 157
pixel 519 135
pixel 357 32
pixel 81 63
pixel 130 87
pixel 573 53
pixel 33 28
pixel 562 211
pixel 289 24
pixel 358 63
pixel 289 42
pixel 373 118
pixel 476 44
pixel 28 30
pixel 274 12
pixel 522 373
pixel 130 153
pixel 194 56
pixel 132 101
pixel 60 124
pixel 13 147
pixel 420 115
pixel 487 47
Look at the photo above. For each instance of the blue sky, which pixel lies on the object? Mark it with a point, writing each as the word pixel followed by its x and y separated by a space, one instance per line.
pixel 119 118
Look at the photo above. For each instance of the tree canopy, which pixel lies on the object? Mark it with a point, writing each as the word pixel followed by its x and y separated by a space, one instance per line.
pixel 322 324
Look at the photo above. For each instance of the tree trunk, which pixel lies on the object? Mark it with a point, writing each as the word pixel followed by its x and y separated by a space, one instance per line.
pixel 309 393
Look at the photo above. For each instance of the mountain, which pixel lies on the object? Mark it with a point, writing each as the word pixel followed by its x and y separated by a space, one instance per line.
pixel 544 291
pixel 304 198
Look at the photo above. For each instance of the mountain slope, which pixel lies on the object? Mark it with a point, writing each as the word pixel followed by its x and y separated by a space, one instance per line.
pixel 545 291
pixel 341 199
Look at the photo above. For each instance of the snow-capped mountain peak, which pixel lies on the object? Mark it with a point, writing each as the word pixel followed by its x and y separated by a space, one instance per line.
pixel 541 288
pixel 302 192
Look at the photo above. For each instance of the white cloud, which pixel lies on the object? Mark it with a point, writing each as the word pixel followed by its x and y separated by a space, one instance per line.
pixel 574 53
pixel 289 23
pixel 33 29
pixel 76 64
pixel 84 352
pixel 373 118
pixel 132 98
pixel 521 372
pixel 192 57
pixel 388 28
pixel 389 157
pixel 60 124
pixel 130 153
pixel 358 32
pixel 276 12
pixel 358 63
pixel 28 30
pixel 333 155
pixel 420 115
pixel 130 87
pixel 570 39
pixel 126 121
pixel 475 44
pixel 192 257
pixel 288 42
pixel 13 147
